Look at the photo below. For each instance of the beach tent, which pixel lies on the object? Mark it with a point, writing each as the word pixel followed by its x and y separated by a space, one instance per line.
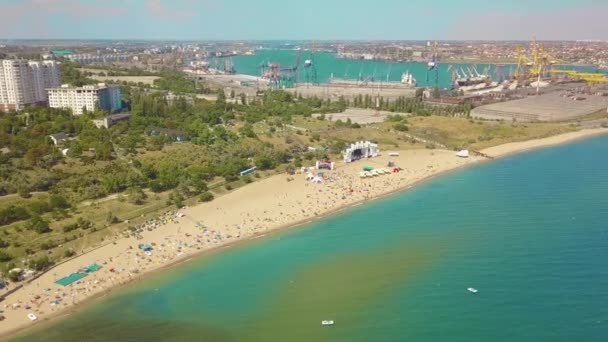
pixel 309 176
pixel 367 168
pixel 463 154
pixel 145 247
pixel 93 268
pixel 74 277
pixel 317 180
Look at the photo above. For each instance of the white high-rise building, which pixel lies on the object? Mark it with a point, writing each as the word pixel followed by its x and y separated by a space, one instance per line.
pixel 106 97
pixel 24 82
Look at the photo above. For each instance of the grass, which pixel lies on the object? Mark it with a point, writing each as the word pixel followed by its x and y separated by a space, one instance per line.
pixel 457 133
pixel 451 132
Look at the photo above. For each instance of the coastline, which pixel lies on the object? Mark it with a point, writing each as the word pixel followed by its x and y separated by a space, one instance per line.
pixel 420 166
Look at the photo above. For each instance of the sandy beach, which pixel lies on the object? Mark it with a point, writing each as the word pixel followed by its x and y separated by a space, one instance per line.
pixel 277 202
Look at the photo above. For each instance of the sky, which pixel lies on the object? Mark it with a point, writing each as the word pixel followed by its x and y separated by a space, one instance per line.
pixel 305 19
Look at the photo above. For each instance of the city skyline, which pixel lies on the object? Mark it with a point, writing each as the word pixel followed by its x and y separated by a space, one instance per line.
pixel 312 20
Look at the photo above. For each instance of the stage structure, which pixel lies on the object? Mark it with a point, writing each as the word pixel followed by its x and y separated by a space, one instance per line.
pixel 360 150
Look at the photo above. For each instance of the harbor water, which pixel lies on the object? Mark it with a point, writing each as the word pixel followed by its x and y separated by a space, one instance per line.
pixel 327 64
pixel 528 232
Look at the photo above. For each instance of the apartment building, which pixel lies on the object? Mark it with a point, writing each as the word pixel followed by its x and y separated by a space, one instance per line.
pixel 23 82
pixel 78 99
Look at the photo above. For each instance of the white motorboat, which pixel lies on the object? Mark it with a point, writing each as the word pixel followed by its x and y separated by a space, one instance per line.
pixel 32 317
pixel 472 289
pixel 327 322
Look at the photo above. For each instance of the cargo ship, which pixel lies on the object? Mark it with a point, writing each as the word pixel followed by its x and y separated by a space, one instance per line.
pixel 407 81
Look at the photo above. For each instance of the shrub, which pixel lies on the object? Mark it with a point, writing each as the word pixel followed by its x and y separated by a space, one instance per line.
pixel 38 207
pixel 47 245
pixel 70 227
pixel 206 197
pixel 247 179
pixel 69 253
pixel 228 187
pixel 24 192
pixel 400 127
pixel 4 257
pixel 13 276
pixel 84 224
pixel 58 202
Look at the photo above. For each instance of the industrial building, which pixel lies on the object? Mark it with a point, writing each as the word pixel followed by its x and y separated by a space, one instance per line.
pixel 23 82
pixel 89 97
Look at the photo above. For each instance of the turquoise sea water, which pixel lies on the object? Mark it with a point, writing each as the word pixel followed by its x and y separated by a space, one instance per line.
pixel 530 232
pixel 327 64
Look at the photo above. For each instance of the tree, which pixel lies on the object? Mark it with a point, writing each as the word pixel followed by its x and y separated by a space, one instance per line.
pixel 232 94
pixel 264 162
pixel 111 218
pixel 436 93
pixel 38 224
pixel 41 263
pixel 177 199
pixel 136 195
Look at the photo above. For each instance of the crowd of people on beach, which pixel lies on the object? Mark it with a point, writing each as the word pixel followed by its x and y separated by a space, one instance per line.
pixel 178 234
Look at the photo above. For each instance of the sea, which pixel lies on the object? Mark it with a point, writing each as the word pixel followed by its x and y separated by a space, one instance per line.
pixel 529 232
pixel 326 65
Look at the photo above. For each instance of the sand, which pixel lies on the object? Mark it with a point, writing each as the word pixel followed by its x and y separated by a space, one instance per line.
pixel 277 202
pixel 516 147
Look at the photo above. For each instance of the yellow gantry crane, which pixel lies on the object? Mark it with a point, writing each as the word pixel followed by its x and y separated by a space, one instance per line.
pixel 538 65
pixel 590 78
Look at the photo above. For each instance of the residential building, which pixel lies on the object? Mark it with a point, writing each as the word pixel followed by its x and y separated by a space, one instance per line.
pixel 23 82
pixel 111 120
pixel 105 97
pixel 59 138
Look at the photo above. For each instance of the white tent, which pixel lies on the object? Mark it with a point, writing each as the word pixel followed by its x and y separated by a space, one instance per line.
pixel 317 180
pixel 463 154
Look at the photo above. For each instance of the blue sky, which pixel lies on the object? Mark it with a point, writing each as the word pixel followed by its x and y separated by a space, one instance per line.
pixel 305 19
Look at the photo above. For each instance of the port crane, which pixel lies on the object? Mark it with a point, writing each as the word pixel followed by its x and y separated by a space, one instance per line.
pixel 432 66
pixel 310 68
pixel 279 77
pixel 590 78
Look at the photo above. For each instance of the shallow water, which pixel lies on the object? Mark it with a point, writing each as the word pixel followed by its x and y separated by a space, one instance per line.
pixel 529 232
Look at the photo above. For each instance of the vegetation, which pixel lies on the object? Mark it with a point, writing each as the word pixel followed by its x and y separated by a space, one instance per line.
pixel 172 152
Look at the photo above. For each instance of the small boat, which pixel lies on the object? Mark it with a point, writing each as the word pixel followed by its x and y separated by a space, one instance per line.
pixel 472 289
pixel 327 322
pixel 32 317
